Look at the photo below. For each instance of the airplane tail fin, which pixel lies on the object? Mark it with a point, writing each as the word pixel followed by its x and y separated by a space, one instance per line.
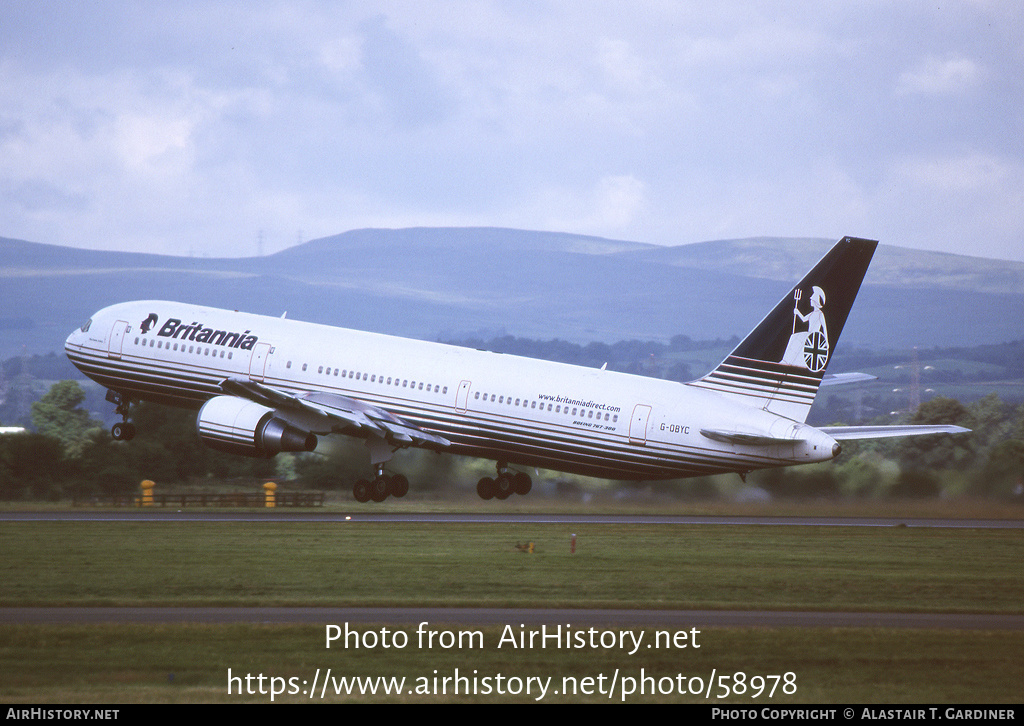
pixel 780 364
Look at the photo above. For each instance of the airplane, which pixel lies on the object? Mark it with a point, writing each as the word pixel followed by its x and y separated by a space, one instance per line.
pixel 264 385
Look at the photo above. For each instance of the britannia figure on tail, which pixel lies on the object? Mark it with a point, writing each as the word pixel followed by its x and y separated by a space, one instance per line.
pixel 808 348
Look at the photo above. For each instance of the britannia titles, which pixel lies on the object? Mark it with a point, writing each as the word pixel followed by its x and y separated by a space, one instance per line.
pixel 196 332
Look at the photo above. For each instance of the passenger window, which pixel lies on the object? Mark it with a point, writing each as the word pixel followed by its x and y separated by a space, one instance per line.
pixel 303 367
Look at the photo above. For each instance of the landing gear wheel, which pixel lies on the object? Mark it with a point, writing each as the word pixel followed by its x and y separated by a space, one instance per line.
pixel 361 491
pixel 399 486
pixel 485 488
pixel 503 486
pixel 522 484
pixel 380 488
pixel 123 431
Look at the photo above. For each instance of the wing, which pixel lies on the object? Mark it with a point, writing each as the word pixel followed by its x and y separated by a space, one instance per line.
pixel 323 413
pixel 844 433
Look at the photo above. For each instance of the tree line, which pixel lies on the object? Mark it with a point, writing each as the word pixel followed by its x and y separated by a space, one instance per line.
pixel 71 455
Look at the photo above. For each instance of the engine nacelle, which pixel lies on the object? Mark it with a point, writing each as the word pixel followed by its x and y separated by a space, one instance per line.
pixel 237 426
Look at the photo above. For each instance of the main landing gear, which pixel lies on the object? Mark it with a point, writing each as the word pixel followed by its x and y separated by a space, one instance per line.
pixel 381 487
pixel 507 484
pixel 125 430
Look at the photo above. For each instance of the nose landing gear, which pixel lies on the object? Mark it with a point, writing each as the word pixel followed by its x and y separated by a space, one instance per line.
pixel 125 430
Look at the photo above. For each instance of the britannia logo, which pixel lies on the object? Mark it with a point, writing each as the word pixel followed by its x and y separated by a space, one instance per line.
pixel 808 348
pixel 148 323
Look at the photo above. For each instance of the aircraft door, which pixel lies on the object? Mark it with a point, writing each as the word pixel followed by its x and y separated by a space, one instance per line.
pixel 638 424
pixel 258 362
pixel 462 397
pixel 116 340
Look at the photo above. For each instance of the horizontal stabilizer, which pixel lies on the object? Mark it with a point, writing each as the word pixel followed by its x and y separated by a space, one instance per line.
pixel 738 437
pixel 841 379
pixel 847 433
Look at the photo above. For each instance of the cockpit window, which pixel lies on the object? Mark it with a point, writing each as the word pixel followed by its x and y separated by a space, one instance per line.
pixel 85 328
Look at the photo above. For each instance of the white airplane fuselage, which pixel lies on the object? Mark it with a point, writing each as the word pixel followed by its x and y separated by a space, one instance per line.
pixel 501 407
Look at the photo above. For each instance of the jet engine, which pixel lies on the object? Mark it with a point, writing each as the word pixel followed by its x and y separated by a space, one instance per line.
pixel 237 426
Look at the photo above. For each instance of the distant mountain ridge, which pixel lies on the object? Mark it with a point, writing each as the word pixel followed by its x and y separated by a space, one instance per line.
pixel 785 259
pixel 451 282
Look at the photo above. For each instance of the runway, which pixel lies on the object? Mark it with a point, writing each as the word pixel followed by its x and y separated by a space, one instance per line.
pixel 357 516
pixel 678 619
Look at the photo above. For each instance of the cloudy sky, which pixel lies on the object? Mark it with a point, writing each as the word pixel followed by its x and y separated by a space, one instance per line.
pixel 222 128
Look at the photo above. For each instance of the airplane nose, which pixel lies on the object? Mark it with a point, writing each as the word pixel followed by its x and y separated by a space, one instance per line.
pixel 77 336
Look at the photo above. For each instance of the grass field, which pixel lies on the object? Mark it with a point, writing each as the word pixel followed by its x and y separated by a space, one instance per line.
pixel 618 566
pixel 478 565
